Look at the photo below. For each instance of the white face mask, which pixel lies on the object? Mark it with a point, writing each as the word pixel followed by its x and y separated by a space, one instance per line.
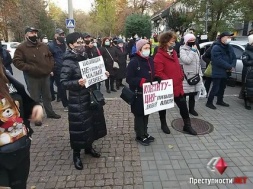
pixel 145 53
pixel 228 41
pixel 95 44
pixel 120 45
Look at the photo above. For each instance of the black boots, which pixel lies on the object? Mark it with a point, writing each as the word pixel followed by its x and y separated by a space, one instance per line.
pixel 77 160
pixel 164 126
pixel 192 106
pixel 92 152
pixel 246 104
pixel 188 128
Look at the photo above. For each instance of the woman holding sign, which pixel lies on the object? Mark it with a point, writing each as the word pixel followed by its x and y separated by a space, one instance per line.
pixel 140 70
pixel 82 127
pixel 167 67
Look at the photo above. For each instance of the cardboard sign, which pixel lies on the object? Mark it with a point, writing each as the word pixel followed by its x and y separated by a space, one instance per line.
pixel 157 96
pixel 93 70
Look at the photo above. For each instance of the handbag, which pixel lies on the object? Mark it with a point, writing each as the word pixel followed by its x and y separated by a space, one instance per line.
pixel 115 64
pixel 208 71
pixel 96 99
pixel 193 80
pixel 127 95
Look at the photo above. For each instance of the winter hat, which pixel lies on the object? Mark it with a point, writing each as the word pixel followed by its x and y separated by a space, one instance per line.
pixel 140 44
pixel 188 36
pixel 250 38
pixel 120 41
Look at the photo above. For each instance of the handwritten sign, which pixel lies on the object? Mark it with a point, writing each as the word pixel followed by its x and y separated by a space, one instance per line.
pixel 157 96
pixel 93 70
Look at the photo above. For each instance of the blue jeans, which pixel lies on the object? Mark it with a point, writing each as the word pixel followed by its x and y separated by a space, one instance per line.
pixel 218 89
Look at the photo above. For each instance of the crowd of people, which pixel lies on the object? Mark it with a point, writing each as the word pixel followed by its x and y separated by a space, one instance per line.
pixel 46 64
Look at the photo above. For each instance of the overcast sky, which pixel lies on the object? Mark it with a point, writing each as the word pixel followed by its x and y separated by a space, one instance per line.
pixel 84 5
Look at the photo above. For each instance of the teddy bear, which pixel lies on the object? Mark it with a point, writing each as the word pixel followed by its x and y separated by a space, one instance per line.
pixel 12 127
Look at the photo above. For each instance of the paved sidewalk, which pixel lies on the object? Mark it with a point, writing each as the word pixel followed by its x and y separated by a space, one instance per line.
pixel 169 162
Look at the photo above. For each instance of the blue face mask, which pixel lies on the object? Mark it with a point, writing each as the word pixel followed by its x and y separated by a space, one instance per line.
pixel 107 43
pixel 193 49
pixel 145 53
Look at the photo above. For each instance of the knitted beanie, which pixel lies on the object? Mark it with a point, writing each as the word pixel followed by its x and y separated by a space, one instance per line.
pixel 188 37
pixel 140 44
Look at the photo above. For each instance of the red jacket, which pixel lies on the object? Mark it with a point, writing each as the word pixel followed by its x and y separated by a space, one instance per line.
pixel 168 67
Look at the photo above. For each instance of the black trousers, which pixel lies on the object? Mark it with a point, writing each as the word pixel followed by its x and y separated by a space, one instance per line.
pixel 218 88
pixel 109 83
pixel 119 82
pixel 141 125
pixel 52 80
pixel 16 178
pixel 181 104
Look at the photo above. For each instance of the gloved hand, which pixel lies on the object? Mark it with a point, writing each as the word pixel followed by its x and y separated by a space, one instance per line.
pixel 158 79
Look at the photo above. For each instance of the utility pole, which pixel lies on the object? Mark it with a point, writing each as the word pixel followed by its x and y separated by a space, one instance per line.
pixel 206 17
pixel 70 11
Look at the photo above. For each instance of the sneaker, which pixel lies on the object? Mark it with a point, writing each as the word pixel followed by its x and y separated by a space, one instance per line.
pixel 66 109
pixel 54 116
pixel 108 91
pixel 143 141
pixel 150 138
pixel 38 123
pixel 222 104
pixel 211 106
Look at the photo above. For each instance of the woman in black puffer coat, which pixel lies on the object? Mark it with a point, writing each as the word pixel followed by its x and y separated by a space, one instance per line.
pixel 247 73
pixel 85 125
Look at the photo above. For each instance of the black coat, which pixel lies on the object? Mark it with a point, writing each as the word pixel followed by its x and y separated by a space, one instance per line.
pixel 80 117
pixel 92 52
pixel 122 60
pixel 247 72
pixel 108 60
pixel 138 70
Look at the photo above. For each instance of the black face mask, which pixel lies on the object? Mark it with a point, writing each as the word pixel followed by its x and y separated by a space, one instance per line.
pixel 87 42
pixel 190 44
pixel 61 39
pixel 33 39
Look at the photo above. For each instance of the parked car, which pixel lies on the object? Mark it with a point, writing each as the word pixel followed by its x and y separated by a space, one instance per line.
pixel 238 46
pixel 10 46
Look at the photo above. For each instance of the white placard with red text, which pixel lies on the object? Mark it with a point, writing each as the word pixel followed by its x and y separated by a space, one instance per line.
pixel 93 70
pixel 157 96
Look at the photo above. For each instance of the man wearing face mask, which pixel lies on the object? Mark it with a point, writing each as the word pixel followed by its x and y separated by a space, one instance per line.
pixel 223 62
pixel 36 61
pixel 58 47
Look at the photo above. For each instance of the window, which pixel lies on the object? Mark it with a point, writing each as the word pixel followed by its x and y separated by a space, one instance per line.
pixel 238 51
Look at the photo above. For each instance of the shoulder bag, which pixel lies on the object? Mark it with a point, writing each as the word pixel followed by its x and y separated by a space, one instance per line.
pixel 115 64
pixel 96 99
pixel 193 80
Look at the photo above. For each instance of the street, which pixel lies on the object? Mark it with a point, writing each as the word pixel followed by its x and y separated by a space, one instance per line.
pixel 170 162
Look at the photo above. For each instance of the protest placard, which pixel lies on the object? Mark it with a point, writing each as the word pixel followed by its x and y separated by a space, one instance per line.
pixel 157 96
pixel 93 70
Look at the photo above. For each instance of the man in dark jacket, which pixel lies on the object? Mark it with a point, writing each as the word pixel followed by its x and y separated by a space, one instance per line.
pixel 223 62
pixel 131 44
pixel 6 58
pixel 36 61
pixel 58 47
